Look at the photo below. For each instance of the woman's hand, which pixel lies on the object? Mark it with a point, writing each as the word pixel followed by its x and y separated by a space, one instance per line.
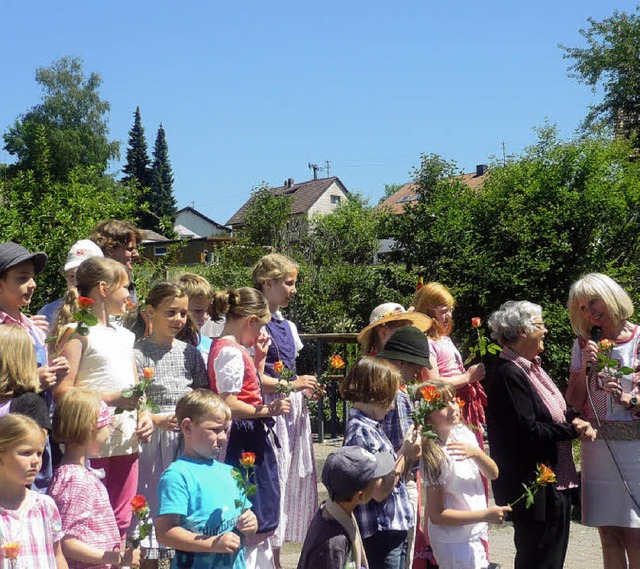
pixel 585 430
pixel 589 354
pixel 476 373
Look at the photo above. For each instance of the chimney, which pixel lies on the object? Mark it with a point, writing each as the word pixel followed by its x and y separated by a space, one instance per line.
pixel 481 169
pixel 290 182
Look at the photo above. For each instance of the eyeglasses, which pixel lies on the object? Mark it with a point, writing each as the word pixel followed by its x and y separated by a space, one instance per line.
pixel 539 326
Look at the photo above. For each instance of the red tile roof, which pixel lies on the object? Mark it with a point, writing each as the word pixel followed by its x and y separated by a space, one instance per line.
pixel 305 194
pixel 407 193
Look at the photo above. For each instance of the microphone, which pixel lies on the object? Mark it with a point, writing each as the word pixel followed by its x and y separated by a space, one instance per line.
pixel 596 336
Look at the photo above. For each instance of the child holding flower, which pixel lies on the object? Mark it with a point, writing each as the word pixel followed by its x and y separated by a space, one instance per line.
pixel 275 276
pixel 176 367
pixel 453 462
pixel 201 512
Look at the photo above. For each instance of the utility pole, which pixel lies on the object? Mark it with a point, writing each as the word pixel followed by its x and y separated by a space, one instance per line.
pixel 504 154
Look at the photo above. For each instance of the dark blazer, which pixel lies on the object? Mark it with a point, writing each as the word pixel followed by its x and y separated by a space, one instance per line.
pixel 522 434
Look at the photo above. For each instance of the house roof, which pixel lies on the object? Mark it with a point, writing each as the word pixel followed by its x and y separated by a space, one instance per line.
pixel 152 237
pixel 408 193
pixel 202 216
pixel 305 194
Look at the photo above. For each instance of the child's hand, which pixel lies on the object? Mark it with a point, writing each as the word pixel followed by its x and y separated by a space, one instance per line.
pixel 166 422
pixel 145 427
pixel 47 377
pixel 462 451
pixel 496 514
pixel 412 444
pixel 261 346
pixel 40 321
pixel 132 557
pixel 279 407
pixel 305 382
pixel 476 373
pixel 60 366
pixel 226 543
pixel 248 523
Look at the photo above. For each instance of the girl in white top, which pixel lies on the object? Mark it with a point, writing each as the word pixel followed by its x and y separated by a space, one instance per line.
pixel 456 503
pixel 102 361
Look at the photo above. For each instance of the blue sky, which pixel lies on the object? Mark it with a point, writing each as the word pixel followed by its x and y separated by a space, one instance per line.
pixel 253 91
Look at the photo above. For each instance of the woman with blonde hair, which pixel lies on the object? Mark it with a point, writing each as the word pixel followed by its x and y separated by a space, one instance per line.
pixel 599 310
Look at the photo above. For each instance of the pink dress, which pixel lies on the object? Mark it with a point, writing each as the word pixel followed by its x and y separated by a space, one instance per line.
pixel 85 510
pixel 37 527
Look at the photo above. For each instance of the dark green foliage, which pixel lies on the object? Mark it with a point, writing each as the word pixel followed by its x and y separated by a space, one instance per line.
pixel 610 62
pixel 266 219
pixel 161 200
pixel 137 167
pixel 71 119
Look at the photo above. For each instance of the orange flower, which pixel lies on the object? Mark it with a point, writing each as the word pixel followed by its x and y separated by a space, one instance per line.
pixel 278 366
pixel 545 475
pixel 420 284
pixel 461 402
pixel 605 345
pixel 147 373
pixel 248 458
pixel 85 302
pixel 430 393
pixel 10 549
pixel 138 503
pixel 476 322
pixel 336 362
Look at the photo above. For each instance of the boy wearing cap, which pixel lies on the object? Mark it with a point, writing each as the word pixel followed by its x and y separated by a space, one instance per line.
pixel 80 251
pixel 333 541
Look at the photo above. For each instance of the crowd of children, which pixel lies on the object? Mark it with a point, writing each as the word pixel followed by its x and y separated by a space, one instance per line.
pixel 216 436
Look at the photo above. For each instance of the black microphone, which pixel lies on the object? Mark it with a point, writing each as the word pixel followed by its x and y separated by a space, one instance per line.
pixel 596 336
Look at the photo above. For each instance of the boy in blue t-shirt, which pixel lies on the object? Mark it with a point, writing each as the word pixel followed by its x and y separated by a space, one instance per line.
pixel 199 514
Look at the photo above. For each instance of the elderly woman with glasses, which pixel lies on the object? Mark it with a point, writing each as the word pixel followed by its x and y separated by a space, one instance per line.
pixel 529 425
pixel 607 394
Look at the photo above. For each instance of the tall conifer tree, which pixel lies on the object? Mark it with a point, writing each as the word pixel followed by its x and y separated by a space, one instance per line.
pixel 161 198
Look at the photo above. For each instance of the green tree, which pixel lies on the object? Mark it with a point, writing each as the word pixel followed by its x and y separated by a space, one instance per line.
pixel 389 190
pixel 161 200
pixel 610 62
pixel 137 165
pixel 71 119
pixel 267 219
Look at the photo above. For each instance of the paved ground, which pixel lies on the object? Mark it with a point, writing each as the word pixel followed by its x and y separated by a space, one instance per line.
pixel 584 544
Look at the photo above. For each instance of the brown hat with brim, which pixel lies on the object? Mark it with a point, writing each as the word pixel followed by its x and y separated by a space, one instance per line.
pixel 393 312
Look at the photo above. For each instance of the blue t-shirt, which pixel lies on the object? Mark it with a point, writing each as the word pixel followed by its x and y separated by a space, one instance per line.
pixel 204 494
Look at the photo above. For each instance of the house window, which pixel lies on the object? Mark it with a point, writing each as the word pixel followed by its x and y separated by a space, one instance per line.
pixel 160 251
pixel 404 199
pixel 335 199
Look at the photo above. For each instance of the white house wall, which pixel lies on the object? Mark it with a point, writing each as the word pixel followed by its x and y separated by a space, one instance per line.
pixel 323 204
pixel 198 225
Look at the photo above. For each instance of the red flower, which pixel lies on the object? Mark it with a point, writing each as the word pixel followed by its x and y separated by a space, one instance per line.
pixel 420 284
pixel 85 302
pixel 278 366
pixel 10 549
pixel 248 458
pixel 138 503
pixel 430 393
pixel 476 322
pixel 336 362
pixel 545 475
pixel 147 373
pixel 461 402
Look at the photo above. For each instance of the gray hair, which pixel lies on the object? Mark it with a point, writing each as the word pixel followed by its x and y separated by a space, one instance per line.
pixel 512 318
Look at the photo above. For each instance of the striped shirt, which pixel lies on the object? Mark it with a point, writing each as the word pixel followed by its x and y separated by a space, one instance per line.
pixel 395 513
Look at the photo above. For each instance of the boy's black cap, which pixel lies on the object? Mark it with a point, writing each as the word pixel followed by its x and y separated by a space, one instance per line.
pixel 407 344
pixel 351 468
pixel 12 254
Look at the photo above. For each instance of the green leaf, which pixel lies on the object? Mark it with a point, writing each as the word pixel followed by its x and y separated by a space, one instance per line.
pixel 82 330
pixel 90 319
pixel 251 490
pixel 51 339
pixel 626 370
pixel 127 393
pixel 238 503
pixel 236 474
pixel 118 411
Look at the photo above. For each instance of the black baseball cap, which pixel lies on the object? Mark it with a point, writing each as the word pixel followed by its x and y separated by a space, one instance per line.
pixel 407 344
pixel 12 254
pixel 351 468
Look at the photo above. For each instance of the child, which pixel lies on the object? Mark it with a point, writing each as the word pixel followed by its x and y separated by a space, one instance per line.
pixel 275 276
pixel 19 385
pixel 384 320
pixel 233 374
pixel 178 367
pixel 436 301
pixel 372 385
pixel 200 513
pixel 351 475
pixel 103 362
pixel 200 294
pixel 81 421
pixel 28 519
pixel 456 503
